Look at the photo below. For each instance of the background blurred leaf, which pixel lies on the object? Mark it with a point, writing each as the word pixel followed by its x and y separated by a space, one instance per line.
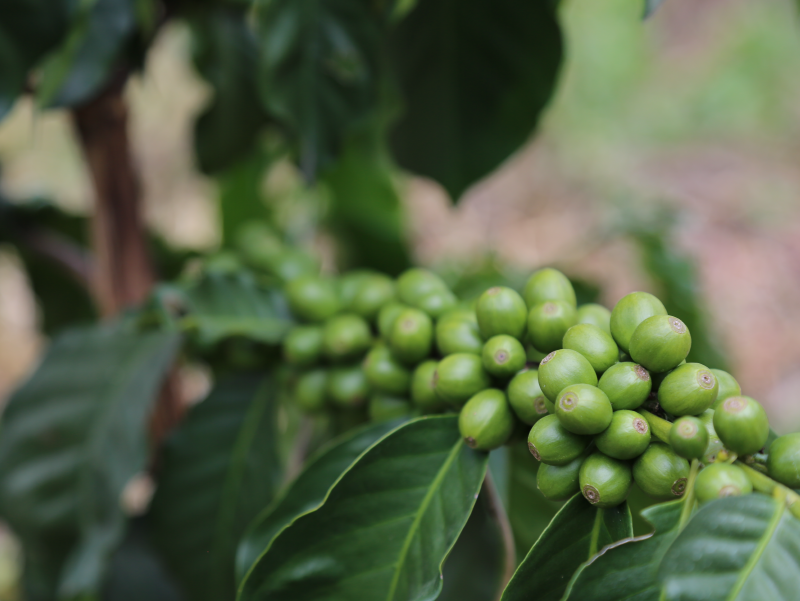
pixel 650 7
pixel 319 63
pixel 240 195
pixel 219 470
pixel 475 76
pixel 400 508
pixel 73 436
pixel 28 30
pixel 577 532
pixel 226 55
pixel 307 492
pixel 81 67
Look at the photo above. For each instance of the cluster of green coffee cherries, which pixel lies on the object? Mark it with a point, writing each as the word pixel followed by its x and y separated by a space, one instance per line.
pixel 613 400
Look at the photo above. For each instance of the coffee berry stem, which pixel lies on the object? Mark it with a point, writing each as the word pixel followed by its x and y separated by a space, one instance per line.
pixel 688 495
pixel 764 484
pixel 658 427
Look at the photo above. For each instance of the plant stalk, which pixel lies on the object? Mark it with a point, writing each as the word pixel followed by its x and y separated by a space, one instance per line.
pixel 658 426
pixel 688 496
pixel 765 484
pixel 498 512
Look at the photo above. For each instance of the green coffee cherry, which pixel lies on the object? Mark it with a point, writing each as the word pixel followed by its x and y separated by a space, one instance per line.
pixel 312 298
pixel 526 397
pixel 597 315
pixel 292 263
pixel 548 322
pixel 626 437
pixel 423 394
pixel 486 421
pixel 303 345
pixel 349 282
pixel 559 482
pixel 728 386
pixel 594 344
pixel 660 473
pixel 385 373
pixel 347 386
pixel 412 336
pixel 689 389
pixel 459 377
pixel 584 409
pixel 720 480
pixel 604 481
pixel 534 354
pixel 626 385
pixel 501 310
pixel 384 407
pixel 660 343
pixel 689 437
pixel 372 293
pixel 310 390
pixel 551 443
pixel 548 285
pixel 742 425
pixel 714 443
pixel 386 318
pixel 437 303
pixel 345 337
pixel 783 461
pixel 503 356
pixel 629 312
pixel 457 332
pixel 415 284
pixel 658 377
pixel 563 368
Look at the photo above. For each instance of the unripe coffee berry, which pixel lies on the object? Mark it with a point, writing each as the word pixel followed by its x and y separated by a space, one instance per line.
pixel 345 337
pixel 627 385
pixel 412 336
pixel 457 332
pixel 593 343
pixel 312 298
pixel 371 292
pixel 604 481
pixel 548 284
pixel 629 312
pixel 548 322
pixel 551 443
pixel 386 318
pixel 437 303
pixel 303 345
pixel 459 377
pixel 783 461
pixel 501 310
pixel 742 425
pixel 416 283
pixel 503 356
pixel 688 389
pixel 486 421
pixel 689 438
pixel 660 473
pixel 584 409
pixel 626 437
pixel 347 386
pixel 385 373
pixel 563 368
pixel 728 386
pixel 526 397
pixel 660 343
pixel 597 315
pixel 559 482
pixel 310 390
pixel 423 393
pixel 721 480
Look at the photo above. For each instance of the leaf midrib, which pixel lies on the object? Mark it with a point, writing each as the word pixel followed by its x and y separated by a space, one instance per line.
pixel 435 485
pixel 759 551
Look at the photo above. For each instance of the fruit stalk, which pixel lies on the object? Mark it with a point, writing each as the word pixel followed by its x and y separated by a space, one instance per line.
pixel 501 517
pixel 658 426
pixel 688 496
pixel 764 484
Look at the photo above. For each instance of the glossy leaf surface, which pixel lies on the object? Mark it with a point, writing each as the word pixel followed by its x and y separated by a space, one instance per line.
pixel 385 528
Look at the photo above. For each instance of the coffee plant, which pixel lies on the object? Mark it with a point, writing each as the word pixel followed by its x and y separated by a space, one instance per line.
pixel 372 430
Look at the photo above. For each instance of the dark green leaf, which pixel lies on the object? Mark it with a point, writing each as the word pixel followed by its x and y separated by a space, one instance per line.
pixel 307 492
pixel 219 470
pixel 366 211
pixel 241 197
pixel 738 549
pixel 475 76
pixel 629 570
pixel 575 535
pixel 226 53
pixel 319 63
pixel 80 68
pixel 73 436
pixel 385 527
pixel 28 30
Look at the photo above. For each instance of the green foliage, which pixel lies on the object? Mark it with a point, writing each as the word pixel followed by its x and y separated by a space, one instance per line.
pixel 73 436
pixel 650 7
pixel 474 76
pixel 219 470
pixel 577 532
pixel 400 508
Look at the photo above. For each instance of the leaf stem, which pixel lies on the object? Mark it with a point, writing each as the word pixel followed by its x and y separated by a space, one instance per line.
pixel 498 512
pixel 688 496
pixel 658 426
pixel 765 484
